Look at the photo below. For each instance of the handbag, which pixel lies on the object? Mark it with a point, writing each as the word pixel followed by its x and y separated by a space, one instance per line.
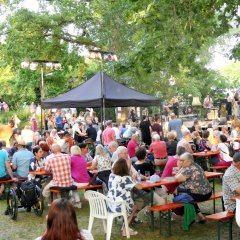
pixel 183 198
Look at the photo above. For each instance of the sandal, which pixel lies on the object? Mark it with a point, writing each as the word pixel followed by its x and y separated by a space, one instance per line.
pixel 131 232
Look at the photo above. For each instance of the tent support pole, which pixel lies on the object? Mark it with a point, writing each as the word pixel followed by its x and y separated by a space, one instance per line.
pixel 160 107
pixel 102 94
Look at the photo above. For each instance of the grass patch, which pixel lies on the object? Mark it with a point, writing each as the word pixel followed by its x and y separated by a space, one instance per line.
pixel 28 226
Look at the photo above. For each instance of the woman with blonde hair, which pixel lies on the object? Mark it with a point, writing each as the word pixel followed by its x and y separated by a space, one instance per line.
pixel 79 173
pixel 102 163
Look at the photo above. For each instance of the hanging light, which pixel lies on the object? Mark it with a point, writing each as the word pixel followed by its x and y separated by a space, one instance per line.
pixel 25 64
pixel 49 65
pixel 33 66
pixel 57 66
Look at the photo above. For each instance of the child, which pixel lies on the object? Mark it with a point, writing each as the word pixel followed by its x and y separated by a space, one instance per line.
pixel 120 185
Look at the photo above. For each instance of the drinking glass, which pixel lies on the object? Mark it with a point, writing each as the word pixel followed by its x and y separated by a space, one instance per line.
pixel 147 173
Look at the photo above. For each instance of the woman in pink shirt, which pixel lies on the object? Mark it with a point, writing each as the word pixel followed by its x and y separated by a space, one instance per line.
pixel 171 168
pixel 79 173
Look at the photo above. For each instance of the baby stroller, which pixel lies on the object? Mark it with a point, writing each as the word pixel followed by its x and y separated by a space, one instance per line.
pixel 27 194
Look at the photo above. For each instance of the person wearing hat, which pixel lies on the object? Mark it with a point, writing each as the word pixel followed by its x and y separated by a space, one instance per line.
pixel 21 159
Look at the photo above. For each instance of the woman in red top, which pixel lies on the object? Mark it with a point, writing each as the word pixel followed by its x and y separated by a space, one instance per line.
pixel 159 149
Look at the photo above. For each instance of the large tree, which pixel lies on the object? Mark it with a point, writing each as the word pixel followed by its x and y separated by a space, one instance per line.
pixel 154 40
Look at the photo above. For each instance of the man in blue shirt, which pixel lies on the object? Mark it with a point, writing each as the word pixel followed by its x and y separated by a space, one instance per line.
pixel 5 169
pixel 175 124
pixel 59 122
pixel 21 160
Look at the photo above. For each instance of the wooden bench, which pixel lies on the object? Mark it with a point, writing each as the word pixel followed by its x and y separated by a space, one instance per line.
pixel 164 210
pixel 88 187
pixel 219 167
pixel 168 207
pixel 223 218
pixel 11 181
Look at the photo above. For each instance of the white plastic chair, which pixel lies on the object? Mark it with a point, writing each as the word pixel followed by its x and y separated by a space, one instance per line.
pixel 237 214
pixel 98 209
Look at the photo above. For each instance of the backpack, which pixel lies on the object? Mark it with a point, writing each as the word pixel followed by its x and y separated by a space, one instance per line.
pixel 231 150
pixel 28 195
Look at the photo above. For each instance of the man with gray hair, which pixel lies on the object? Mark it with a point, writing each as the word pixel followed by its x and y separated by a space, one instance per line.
pixel 159 149
pixel 184 142
pixel 132 146
pixel 231 184
pixel 112 150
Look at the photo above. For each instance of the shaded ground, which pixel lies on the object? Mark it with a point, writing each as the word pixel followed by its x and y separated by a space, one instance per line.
pixel 28 226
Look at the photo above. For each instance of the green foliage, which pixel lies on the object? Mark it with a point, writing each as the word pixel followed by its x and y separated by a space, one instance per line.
pixel 154 40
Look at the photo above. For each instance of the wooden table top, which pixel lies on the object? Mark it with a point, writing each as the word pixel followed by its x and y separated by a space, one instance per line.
pixel 172 180
pixel 205 154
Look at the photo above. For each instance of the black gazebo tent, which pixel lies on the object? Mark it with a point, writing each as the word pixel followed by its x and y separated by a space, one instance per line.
pixel 101 91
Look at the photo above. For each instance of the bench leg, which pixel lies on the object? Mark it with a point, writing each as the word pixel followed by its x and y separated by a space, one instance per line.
pixel 169 223
pixel 152 220
pixel 230 229
pixel 219 230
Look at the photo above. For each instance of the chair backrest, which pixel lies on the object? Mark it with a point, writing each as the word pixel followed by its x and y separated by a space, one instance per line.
pixel 97 202
pixel 238 212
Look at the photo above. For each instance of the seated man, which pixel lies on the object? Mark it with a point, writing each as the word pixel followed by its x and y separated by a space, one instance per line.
pixel 231 184
pixel 59 164
pixel 132 146
pixel 5 169
pixel 21 159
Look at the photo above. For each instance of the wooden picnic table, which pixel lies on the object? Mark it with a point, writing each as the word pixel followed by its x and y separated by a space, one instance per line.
pixel 205 153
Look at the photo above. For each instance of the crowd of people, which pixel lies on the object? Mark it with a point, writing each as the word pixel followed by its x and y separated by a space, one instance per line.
pixel 120 157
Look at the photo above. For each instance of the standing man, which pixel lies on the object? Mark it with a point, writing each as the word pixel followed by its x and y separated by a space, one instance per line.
pixel 145 128
pixel 207 103
pixel 231 184
pixel 91 131
pixel 108 134
pixel 60 166
pixel 59 121
pixel 175 124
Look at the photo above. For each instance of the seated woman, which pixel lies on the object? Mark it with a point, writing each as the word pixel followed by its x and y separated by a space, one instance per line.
pixel 102 163
pixel 193 181
pixel 171 143
pixel 159 195
pixel 36 163
pixel 204 142
pixel 171 169
pixel 62 223
pixel 79 173
pixel 223 147
pixel 120 186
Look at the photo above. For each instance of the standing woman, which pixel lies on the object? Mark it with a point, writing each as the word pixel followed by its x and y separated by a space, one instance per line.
pixel 34 122
pixel 235 111
pixel 62 223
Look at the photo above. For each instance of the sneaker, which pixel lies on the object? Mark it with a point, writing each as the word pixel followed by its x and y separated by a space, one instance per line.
pixel 137 220
pixel 131 232
pixel 78 205
pixel 6 212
